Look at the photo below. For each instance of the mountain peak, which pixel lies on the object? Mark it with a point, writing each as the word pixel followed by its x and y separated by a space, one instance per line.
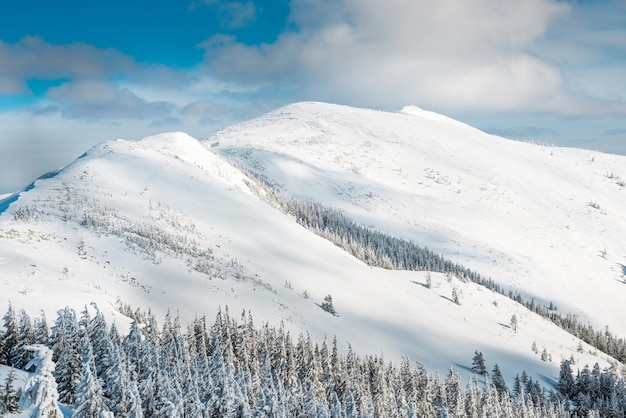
pixel 427 114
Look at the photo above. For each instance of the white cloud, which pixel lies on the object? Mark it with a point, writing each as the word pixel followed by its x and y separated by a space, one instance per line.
pixel 35 141
pixel 477 60
pixel 32 144
pixel 33 57
pixel 98 83
pixel 100 99
pixel 10 85
pixel 451 54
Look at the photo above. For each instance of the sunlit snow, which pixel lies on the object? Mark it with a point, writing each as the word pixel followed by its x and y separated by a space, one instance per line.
pixel 520 213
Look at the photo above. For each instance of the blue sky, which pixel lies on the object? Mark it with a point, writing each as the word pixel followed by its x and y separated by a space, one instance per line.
pixel 75 73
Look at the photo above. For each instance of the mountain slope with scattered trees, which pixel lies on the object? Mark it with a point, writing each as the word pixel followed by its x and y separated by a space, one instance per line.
pixel 170 223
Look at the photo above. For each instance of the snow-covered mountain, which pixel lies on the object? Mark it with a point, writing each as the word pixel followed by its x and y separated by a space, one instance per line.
pixel 170 222
pixel 547 221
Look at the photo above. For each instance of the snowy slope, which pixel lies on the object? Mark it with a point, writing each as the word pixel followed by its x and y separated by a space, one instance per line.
pixel 546 221
pixel 167 223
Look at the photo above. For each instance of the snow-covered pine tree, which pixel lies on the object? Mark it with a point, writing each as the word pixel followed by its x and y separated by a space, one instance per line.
pixel 40 392
pixel 9 396
pixel 455 399
pixel 200 363
pixel 472 398
pixel 490 403
pixel 456 298
pixel 131 345
pixel 566 385
pixel 267 403
pixel 26 338
pixel 514 323
pixel 149 377
pixel 328 306
pixel 10 338
pixel 40 327
pixel 65 343
pixel 115 378
pixel 222 401
pixel 517 386
pixel 309 404
pixel 478 364
pixel 498 381
pixel 97 332
pixel 437 397
pixel 90 402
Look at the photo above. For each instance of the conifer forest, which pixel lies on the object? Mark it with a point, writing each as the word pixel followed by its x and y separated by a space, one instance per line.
pixel 236 368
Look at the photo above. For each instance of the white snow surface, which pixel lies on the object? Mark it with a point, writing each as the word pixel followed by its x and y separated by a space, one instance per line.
pixel 546 221
pixel 516 212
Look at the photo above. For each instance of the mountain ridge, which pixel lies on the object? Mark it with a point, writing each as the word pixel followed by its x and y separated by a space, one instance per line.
pixel 180 226
pixel 532 193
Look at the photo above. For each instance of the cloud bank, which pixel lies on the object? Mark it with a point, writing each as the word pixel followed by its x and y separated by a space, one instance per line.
pixel 464 54
pixel 539 69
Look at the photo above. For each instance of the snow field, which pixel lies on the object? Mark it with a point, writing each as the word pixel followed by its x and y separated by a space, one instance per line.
pixel 401 173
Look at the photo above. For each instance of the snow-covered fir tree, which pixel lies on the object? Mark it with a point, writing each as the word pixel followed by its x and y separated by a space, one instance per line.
pixel 40 393
pixel 90 402
pixel 9 395
pixel 478 364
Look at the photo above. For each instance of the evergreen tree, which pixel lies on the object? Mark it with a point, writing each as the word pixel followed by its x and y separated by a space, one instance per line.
pixel 149 370
pixel 514 323
pixel 10 338
pixel 351 406
pixel 309 405
pixel 40 326
pixel 472 399
pixel 517 386
pixel 490 401
pixel 456 297
pixel 97 332
pixel 133 401
pixel 266 405
pixel 116 391
pixel 478 364
pixel 65 343
pixel 9 396
pixel 498 381
pixel 131 346
pixel 222 400
pixel 90 402
pixel 455 399
pixel 327 305
pixel 26 337
pixel 40 392
pixel 566 385
pixel 336 409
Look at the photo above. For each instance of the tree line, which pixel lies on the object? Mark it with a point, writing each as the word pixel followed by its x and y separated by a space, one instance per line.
pixel 232 368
